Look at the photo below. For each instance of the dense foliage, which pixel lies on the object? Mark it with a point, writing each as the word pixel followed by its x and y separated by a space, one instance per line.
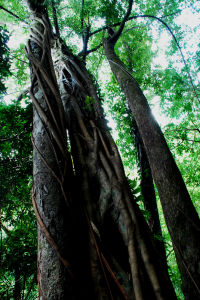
pixel 18 226
pixel 4 58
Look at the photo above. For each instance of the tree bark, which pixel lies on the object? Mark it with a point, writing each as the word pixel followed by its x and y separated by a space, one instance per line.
pixel 104 189
pixel 147 185
pixel 149 197
pixel 180 215
pixel 52 170
pixel 91 236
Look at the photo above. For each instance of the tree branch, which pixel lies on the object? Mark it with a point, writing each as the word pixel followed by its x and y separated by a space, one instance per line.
pixel 85 33
pixel 10 138
pixel 12 14
pixel 126 18
pixel 186 129
pixel 106 27
pixel 188 140
pixel 55 19
pixel 114 38
pixel 129 19
pixel 19 59
pixel 117 34
pixel 82 15
pixel 66 6
pixel 90 51
pixel 178 46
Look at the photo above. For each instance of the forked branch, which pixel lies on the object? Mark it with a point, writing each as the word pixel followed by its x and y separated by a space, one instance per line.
pixel 55 19
pixel 117 34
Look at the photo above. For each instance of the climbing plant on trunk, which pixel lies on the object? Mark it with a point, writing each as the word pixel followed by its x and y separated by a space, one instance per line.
pixel 100 215
pixel 80 193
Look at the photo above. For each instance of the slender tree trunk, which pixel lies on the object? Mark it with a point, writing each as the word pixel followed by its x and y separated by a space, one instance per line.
pixel 180 215
pixel 149 197
pixel 147 185
pixel 17 287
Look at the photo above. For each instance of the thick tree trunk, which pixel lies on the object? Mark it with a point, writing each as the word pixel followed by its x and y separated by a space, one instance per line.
pixel 180 215
pixel 56 213
pixel 89 239
pixel 119 227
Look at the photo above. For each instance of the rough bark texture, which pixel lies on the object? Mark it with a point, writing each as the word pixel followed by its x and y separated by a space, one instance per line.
pixel 180 215
pixel 104 189
pixel 51 171
pixel 91 236
pixel 54 279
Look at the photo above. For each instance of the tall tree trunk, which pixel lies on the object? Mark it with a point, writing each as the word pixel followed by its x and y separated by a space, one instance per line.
pixel 180 215
pixel 115 219
pixel 147 185
pixel 90 238
pixel 55 209
pixel 148 193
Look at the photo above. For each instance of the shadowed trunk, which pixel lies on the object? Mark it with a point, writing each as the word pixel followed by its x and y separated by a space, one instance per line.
pixel 17 288
pixel 59 220
pixel 148 193
pixel 180 215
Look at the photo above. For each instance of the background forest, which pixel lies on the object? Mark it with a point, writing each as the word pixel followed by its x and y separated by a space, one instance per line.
pixel 160 47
